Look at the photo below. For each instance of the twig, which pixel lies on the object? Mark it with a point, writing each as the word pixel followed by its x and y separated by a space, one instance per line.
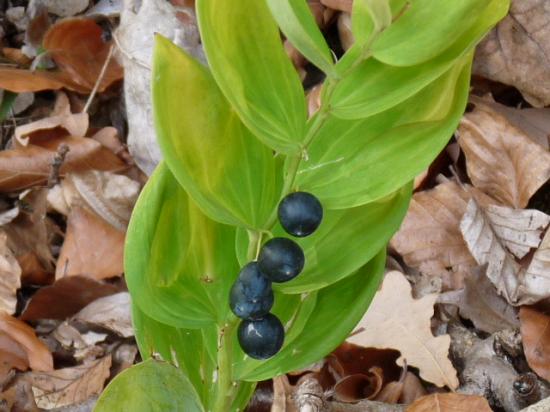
pixel 128 55
pixel 99 79
pixel 57 162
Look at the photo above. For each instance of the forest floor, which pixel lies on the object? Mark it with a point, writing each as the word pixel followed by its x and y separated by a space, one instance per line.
pixel 462 316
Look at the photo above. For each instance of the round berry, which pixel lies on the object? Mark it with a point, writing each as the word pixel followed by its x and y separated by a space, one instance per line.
pixel 281 259
pixel 300 213
pixel 251 295
pixel 261 338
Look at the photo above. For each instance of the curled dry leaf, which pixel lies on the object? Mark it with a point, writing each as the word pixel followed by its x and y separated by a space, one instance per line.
pixel 501 159
pixel 69 386
pixel 28 166
pixel 536 280
pixel 396 320
pixel 429 237
pixel 480 303
pixel 517 51
pixel 406 390
pixel 491 232
pixel 65 297
pixel 535 333
pixel 77 47
pixel 22 336
pixel 110 312
pixel 10 277
pixel 449 402
pixel 92 247
pixel 356 387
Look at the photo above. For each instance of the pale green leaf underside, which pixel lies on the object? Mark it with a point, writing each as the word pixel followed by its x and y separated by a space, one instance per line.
pixel 231 175
pixel 298 24
pixel 151 386
pixel 246 56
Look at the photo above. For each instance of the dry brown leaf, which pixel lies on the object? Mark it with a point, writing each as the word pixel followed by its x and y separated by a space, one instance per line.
pixel 491 232
pixel 535 333
pixel 449 402
pixel 429 237
pixel 502 160
pixel 10 277
pixel 344 30
pixel 69 385
pixel 38 355
pixel 76 124
pixel 480 303
pixel 19 81
pixel 92 247
pixel 110 312
pixel 356 387
pixel 396 320
pixel 65 297
pixel 536 280
pixel 342 5
pixel 517 51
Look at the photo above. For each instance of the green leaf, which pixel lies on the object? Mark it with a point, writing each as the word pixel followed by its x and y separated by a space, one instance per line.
pixel 298 24
pixel 425 29
pixel 246 56
pixel 353 162
pixel 374 87
pixel 231 175
pixel 325 328
pixel 366 229
pixel 8 98
pixel 149 387
pixel 368 18
pixel 179 264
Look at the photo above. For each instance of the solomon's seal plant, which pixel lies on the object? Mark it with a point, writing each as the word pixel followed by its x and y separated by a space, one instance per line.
pixel 210 265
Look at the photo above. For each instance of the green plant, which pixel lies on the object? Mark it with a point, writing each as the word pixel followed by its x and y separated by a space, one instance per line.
pixel 236 140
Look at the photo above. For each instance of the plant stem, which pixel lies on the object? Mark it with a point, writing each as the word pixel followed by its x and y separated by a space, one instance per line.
pixel 226 388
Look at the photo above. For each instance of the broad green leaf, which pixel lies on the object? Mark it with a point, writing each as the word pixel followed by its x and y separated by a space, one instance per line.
pixel 425 29
pixel 231 175
pixel 298 24
pixel 374 87
pixel 179 264
pixel 369 17
pixel 246 56
pixel 150 386
pixel 353 162
pixel 337 311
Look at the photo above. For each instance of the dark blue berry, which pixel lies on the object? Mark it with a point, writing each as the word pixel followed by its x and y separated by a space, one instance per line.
pixel 300 213
pixel 261 338
pixel 251 295
pixel 281 259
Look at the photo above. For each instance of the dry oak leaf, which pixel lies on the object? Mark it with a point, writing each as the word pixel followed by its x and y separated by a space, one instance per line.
pixel 517 51
pixel 69 386
pixel 395 320
pixel 429 238
pixel 110 312
pixel 19 333
pixel 536 280
pixel 92 247
pixel 450 402
pixel 494 234
pixel 77 47
pixel 535 334
pixel 501 160
pixel 10 277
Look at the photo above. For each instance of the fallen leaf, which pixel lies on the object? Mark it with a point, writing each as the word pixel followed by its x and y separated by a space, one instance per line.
pixel 110 312
pixel 356 387
pixel 69 385
pixel 536 280
pixel 92 247
pixel 535 333
pixel 449 402
pixel 395 320
pixel 10 277
pixel 38 356
pixel 517 52
pixel 429 237
pixel 109 195
pixel 65 297
pixel 64 8
pixel 342 5
pixel 480 303
pixel 491 232
pixel 502 160
pixel 77 47
pixel 19 397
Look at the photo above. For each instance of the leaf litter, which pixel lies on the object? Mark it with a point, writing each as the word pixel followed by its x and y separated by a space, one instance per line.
pixel 472 252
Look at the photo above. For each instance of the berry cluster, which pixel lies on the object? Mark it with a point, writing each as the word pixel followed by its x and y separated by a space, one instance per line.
pixel 261 334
